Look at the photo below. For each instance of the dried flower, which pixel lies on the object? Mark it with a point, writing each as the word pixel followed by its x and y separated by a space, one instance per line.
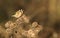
pixel 18 13
pixel 34 24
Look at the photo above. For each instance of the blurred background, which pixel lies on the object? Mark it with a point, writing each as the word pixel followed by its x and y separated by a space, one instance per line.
pixel 45 12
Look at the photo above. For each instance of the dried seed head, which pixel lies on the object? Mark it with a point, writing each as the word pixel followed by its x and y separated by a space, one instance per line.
pixel 31 33
pixel 18 13
pixel 25 18
pixel 34 24
pixel 10 25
